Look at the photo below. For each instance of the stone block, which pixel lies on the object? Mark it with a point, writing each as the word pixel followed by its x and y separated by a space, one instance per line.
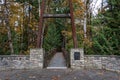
pixel 73 51
pixel 36 57
pixel 77 58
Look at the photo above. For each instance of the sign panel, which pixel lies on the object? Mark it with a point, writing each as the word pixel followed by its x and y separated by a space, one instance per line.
pixel 76 55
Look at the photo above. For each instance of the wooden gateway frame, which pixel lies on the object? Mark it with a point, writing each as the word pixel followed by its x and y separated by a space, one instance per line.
pixel 42 16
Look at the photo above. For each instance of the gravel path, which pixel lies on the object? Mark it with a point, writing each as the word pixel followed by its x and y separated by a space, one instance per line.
pixel 57 61
pixel 66 74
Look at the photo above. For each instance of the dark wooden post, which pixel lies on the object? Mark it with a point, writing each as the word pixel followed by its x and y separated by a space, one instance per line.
pixel 73 25
pixel 40 27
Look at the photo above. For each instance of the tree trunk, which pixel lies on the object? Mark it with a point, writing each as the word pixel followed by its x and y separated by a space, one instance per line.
pixel 8 30
pixel 9 36
pixel 85 21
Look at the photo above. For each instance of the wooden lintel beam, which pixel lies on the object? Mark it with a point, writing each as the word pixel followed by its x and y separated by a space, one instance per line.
pixel 56 16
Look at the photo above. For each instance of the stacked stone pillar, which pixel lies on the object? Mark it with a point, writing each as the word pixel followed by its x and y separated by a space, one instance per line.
pixel 77 58
pixel 36 57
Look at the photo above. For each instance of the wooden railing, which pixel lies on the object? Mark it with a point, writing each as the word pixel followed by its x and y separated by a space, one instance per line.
pixel 48 56
pixel 67 57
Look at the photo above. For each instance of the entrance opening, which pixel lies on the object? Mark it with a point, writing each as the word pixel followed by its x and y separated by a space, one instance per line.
pixel 54 43
pixel 57 62
pixel 53 27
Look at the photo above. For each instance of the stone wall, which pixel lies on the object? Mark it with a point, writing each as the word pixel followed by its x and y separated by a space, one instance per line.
pixel 14 61
pixel 107 62
pixel 34 60
pixel 102 62
pixel 77 61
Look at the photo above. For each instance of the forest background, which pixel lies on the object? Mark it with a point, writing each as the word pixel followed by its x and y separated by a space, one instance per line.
pixel 98 34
